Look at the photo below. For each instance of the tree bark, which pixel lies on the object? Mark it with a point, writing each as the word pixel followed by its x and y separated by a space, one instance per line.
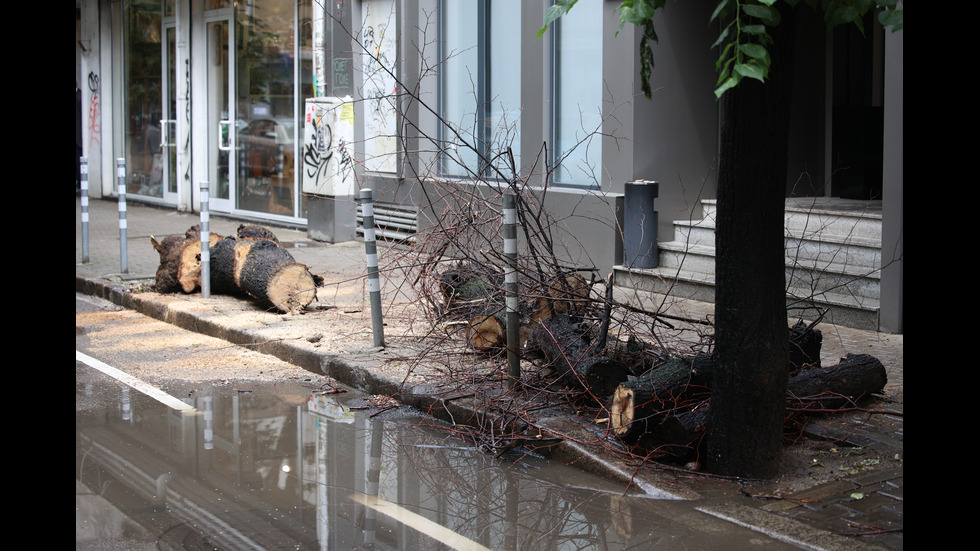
pixel 574 358
pixel 254 264
pixel 747 401
pixel 644 414
pixel 641 405
pixel 180 261
pixel 267 272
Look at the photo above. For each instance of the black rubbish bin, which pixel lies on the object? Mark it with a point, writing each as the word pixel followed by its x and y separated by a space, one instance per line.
pixel 640 225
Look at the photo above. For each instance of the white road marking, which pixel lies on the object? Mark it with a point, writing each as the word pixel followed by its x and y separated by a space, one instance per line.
pixel 419 523
pixel 145 388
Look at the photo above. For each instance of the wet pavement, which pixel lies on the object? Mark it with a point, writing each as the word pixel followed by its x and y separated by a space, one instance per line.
pixel 300 469
pixel 869 500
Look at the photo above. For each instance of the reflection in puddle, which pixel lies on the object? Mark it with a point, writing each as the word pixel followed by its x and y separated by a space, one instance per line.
pixel 258 470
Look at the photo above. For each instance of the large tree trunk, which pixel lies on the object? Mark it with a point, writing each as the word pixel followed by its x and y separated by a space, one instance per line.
pixel 254 264
pixel 747 400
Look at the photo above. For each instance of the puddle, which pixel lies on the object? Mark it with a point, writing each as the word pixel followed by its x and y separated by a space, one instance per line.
pixel 276 469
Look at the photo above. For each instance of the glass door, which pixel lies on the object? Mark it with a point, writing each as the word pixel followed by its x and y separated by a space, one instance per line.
pixel 168 124
pixel 222 117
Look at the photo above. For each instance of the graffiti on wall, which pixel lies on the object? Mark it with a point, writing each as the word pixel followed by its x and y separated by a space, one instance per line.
pixel 94 110
pixel 318 151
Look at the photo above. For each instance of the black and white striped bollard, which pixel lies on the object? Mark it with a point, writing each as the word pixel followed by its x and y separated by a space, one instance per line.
pixel 205 242
pixel 374 280
pixel 510 286
pixel 121 181
pixel 84 198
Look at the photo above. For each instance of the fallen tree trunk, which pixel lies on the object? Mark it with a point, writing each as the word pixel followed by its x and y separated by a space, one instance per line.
pixel 856 376
pixel 677 432
pixel 574 357
pixel 641 405
pixel 254 264
pixel 180 261
pixel 267 272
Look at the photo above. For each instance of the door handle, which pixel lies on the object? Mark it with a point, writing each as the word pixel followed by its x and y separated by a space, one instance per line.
pixel 168 131
pixel 224 135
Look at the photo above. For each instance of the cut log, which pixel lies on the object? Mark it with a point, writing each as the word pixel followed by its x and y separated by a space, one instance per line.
pixel 251 231
pixel 566 293
pixel 487 333
pixel 180 261
pixel 572 356
pixel 804 347
pixel 254 265
pixel 856 376
pixel 267 272
pixel 223 268
pixel 648 418
pixel 641 405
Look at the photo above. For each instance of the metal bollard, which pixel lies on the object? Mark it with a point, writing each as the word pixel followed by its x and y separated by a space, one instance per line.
pixel 84 192
pixel 374 280
pixel 510 285
pixel 121 179
pixel 205 243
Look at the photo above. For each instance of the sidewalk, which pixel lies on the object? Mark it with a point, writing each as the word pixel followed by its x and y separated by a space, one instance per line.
pixel 870 499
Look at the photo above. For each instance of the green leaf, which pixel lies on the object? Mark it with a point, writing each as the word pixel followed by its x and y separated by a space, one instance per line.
pixel 751 70
pixel 719 9
pixel 722 36
pixel 891 18
pixel 767 14
pixel 730 83
pixel 754 50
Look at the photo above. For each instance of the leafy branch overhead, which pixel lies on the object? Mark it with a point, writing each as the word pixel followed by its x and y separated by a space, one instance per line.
pixel 744 40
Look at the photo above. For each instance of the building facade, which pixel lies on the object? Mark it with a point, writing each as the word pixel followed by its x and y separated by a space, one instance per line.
pixel 430 92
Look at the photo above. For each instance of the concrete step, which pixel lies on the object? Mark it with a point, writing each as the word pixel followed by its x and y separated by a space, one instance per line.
pixel 840 239
pixel 833 260
pixel 842 307
pixel 819 216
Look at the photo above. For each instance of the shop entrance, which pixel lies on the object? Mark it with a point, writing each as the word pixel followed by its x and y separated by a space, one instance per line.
pixel 221 122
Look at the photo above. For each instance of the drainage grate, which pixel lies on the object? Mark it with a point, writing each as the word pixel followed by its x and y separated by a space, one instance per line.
pixel 391 221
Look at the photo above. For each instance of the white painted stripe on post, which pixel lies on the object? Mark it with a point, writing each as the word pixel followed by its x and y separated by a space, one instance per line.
pixel 145 388
pixel 510 216
pixel 372 260
pixel 374 285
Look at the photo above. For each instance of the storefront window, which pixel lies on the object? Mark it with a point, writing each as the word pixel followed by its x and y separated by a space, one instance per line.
pixel 306 77
pixel 143 98
pixel 480 98
pixel 266 39
pixel 578 96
